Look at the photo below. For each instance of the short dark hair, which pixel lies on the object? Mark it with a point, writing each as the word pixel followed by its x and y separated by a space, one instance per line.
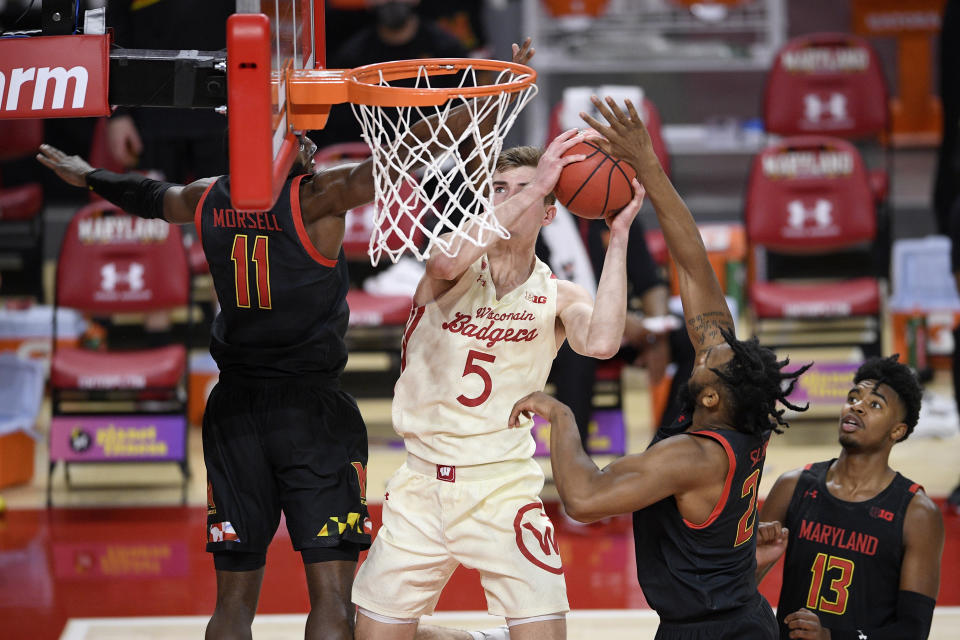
pixel 900 378
pixel 756 382
pixel 526 156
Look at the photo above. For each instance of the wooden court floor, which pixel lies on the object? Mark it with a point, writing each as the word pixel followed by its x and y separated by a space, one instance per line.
pixel 88 570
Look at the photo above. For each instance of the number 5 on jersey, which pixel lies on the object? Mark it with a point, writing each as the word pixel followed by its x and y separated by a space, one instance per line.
pixel 473 368
pixel 261 263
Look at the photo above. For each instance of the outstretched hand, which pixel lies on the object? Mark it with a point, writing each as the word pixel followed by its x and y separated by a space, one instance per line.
pixel 523 53
pixel 71 169
pixel 537 403
pixel 553 161
pixel 625 136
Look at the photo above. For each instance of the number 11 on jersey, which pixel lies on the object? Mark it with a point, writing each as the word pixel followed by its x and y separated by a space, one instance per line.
pixel 261 256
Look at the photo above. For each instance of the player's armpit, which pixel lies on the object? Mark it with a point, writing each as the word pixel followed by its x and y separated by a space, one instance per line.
pixel 180 202
pixel 336 190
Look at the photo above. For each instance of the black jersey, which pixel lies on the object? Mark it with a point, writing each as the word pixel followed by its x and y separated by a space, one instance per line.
pixel 283 305
pixel 844 558
pixel 694 571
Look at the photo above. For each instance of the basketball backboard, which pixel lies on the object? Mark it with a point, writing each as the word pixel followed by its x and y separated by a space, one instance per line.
pixel 265 40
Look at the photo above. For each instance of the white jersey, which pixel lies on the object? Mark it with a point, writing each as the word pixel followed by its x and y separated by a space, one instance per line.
pixel 467 358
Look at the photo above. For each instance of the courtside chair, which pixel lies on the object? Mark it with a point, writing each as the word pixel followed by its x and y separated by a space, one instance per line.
pixel 112 405
pixel 811 223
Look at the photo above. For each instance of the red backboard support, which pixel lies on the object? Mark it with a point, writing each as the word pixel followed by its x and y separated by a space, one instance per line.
pixel 266 40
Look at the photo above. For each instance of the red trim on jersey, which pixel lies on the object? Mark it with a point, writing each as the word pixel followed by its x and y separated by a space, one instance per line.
pixel 197 218
pixel 807 466
pixel 301 230
pixel 412 321
pixel 916 487
pixel 732 469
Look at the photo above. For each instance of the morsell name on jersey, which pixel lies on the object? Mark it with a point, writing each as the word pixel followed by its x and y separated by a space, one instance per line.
pixel 245 219
pixel 839 537
pixel 464 324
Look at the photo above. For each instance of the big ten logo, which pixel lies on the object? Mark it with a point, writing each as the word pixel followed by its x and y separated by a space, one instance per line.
pixel 807 164
pixel 826 109
pixel 532 297
pixel 882 514
pixel 822 59
pixel 810 219
pixel 537 539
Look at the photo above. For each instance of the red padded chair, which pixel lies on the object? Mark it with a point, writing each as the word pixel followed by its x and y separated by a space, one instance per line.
pixel 830 84
pixel 113 263
pixel 21 225
pixel 810 205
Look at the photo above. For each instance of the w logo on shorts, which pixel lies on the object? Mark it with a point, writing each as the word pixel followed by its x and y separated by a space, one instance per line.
pixel 536 538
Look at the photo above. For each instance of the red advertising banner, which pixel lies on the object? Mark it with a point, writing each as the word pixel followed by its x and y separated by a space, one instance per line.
pixel 54 76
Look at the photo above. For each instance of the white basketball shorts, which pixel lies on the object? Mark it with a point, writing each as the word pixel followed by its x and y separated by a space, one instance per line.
pixel 485 517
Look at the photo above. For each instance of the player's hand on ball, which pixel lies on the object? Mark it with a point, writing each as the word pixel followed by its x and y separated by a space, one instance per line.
pixel 805 624
pixel 537 403
pixel 71 169
pixel 620 222
pixel 771 542
pixel 553 161
pixel 625 136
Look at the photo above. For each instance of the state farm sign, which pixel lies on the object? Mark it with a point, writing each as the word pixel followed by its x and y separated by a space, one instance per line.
pixel 54 77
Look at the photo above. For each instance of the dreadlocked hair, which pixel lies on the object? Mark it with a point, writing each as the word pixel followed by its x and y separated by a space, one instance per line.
pixel 901 379
pixel 756 382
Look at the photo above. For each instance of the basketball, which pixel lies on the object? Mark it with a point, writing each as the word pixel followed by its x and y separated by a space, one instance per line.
pixel 597 186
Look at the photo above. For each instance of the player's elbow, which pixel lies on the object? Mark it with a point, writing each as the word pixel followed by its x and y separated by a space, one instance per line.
pixel 442 268
pixel 581 511
pixel 602 349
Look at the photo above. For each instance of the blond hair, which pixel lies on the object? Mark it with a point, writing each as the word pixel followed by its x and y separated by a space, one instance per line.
pixel 525 156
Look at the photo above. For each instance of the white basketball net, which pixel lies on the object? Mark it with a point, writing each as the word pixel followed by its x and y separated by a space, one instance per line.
pixel 426 188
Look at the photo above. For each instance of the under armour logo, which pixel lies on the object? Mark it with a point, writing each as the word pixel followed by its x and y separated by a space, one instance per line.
pixel 821 214
pixel 110 276
pixel 810 494
pixel 815 108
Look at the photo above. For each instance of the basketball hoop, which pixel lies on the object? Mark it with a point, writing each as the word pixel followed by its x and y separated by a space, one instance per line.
pixel 452 193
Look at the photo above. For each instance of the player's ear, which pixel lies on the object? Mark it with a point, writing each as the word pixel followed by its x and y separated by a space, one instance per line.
pixel 549 213
pixel 709 397
pixel 898 431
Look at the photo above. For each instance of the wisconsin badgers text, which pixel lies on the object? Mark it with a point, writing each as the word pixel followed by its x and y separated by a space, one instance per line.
pixel 465 325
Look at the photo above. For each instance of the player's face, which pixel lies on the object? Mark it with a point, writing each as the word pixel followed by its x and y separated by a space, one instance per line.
pixel 702 376
pixel 869 416
pixel 509 183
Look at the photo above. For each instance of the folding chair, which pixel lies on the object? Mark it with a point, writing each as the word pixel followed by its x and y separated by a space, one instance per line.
pixel 120 405
pixel 832 84
pixel 810 222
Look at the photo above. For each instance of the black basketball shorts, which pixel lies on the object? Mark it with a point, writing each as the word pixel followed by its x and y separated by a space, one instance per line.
pixel 754 621
pixel 293 447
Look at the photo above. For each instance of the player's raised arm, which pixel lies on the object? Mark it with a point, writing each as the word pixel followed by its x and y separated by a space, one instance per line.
pixel 704 306
pixel 510 211
pixel 595 328
pixel 348 186
pixel 132 192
